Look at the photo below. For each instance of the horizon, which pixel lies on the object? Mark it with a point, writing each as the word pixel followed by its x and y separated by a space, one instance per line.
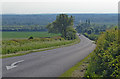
pixel 55 13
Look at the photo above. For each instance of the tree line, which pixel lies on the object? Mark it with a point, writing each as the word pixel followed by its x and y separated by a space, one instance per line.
pixel 24 28
pixel 91 30
pixel 44 19
pixel 26 22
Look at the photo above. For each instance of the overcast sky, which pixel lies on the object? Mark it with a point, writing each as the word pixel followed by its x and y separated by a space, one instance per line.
pixel 58 6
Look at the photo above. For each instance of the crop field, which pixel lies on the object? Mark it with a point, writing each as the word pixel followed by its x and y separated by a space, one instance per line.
pixel 21 35
pixel 14 46
pixel 13 42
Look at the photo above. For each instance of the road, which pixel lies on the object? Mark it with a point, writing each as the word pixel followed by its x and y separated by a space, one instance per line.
pixel 50 63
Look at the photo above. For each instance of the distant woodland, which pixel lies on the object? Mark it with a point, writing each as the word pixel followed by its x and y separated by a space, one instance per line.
pixel 38 22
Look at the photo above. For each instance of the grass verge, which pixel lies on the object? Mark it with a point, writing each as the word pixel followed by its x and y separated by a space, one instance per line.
pixel 38 50
pixel 79 69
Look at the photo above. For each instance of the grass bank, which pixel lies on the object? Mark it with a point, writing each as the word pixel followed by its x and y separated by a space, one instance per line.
pixel 79 69
pixel 19 47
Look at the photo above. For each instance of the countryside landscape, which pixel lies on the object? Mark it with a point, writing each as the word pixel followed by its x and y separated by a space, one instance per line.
pixel 60 45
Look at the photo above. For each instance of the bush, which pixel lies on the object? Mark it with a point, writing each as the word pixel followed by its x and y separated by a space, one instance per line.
pixel 71 33
pixel 30 37
pixel 105 59
pixel 91 36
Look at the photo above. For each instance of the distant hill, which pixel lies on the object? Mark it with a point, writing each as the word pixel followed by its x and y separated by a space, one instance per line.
pixel 37 22
pixel 44 19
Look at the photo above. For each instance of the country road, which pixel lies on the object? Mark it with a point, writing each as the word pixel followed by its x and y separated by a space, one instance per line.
pixel 50 63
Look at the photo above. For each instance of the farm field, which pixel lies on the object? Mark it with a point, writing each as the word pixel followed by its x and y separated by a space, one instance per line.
pixel 17 45
pixel 22 35
pixel 13 42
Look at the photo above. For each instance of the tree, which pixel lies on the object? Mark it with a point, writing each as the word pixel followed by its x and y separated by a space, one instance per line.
pixel 61 24
pixel 71 33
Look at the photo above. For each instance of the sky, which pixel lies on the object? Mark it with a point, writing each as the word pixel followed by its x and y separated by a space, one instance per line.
pixel 58 6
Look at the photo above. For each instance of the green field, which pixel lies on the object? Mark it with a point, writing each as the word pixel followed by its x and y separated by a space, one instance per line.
pixel 17 45
pixel 20 35
pixel 14 42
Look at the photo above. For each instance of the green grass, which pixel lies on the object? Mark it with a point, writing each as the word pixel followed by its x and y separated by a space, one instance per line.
pixel 69 72
pixel 21 35
pixel 13 46
pixel 19 47
pixel 17 43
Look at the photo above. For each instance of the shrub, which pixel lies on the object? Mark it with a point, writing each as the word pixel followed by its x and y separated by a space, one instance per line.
pixel 30 37
pixel 105 59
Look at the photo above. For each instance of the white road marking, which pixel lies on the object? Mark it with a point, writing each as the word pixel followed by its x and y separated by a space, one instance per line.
pixel 13 65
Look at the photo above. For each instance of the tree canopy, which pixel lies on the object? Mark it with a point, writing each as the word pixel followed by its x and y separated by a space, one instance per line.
pixel 64 25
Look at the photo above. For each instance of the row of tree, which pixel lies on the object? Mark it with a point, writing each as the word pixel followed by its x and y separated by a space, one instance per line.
pixel 88 27
pixel 24 28
pixel 44 19
pixel 90 30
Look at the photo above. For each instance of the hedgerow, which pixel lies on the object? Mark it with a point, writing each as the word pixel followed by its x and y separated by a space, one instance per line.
pixel 105 61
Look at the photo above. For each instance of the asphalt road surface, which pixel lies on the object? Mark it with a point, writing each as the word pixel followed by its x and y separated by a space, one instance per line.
pixel 50 63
